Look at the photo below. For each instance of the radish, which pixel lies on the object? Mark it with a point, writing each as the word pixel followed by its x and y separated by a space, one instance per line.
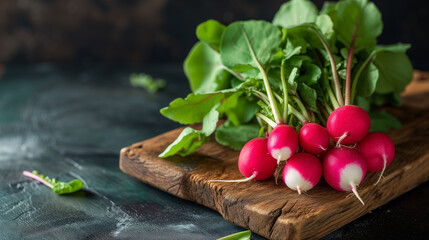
pixel 344 169
pixel 302 172
pixel 254 161
pixel 348 124
pixel 313 138
pixel 282 142
pixel 378 151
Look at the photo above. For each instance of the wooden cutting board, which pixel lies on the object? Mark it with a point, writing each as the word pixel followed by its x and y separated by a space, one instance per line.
pixel 274 211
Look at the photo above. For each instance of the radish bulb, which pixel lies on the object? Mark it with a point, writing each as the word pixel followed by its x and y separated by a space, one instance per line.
pixel 302 172
pixel 254 161
pixel 313 138
pixel 344 169
pixel 282 142
pixel 378 151
pixel 348 125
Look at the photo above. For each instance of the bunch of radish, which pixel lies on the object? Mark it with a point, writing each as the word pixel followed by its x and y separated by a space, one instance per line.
pixel 343 166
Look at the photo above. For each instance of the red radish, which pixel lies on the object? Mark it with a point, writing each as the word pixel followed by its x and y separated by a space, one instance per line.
pixel 302 172
pixel 378 150
pixel 313 138
pixel 282 142
pixel 344 169
pixel 348 124
pixel 254 161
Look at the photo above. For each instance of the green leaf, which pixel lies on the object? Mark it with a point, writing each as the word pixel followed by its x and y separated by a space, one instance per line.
pixel 295 45
pixel 294 13
pixel 245 235
pixel 309 74
pixel 61 187
pixel 236 136
pixel 70 187
pixel 210 121
pixel 395 71
pixel 147 82
pixel 368 81
pixel 264 39
pixel 193 108
pixel 204 70
pixel 211 32
pixel 398 48
pixel 363 102
pixel 359 13
pixel 190 139
pixel 308 96
pixel 325 24
pixel 243 111
pixel 186 143
pixel 383 121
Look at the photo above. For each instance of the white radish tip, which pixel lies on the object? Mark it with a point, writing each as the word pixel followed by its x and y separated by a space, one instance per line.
pixel 236 181
pixel 353 186
pixel 299 190
pixel 382 171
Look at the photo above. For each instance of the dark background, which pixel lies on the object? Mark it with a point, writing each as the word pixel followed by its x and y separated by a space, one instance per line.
pixel 138 33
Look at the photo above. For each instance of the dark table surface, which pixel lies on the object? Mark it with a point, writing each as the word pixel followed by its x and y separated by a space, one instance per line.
pixel 71 123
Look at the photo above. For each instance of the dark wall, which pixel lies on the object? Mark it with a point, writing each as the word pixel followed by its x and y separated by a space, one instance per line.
pixel 140 32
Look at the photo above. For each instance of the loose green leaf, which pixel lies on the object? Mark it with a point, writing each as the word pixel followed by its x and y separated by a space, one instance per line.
pixel 147 82
pixel 383 121
pixel 264 39
pixel 245 235
pixel 211 32
pixel 395 71
pixel 193 108
pixel 70 187
pixel 236 136
pixel 205 72
pixel 57 186
pixel 294 13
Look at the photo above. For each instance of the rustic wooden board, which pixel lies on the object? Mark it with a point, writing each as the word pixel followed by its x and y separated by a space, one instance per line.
pixel 274 211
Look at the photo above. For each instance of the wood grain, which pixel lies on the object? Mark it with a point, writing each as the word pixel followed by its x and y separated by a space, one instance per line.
pixel 274 211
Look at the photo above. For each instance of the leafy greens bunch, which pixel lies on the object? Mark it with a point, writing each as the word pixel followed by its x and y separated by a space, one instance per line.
pixel 294 70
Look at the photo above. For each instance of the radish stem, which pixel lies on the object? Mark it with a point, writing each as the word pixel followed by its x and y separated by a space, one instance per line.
pixel 266 119
pixel 273 103
pixel 359 72
pixel 333 66
pixel 349 65
pixel 382 171
pixel 239 180
pixel 285 93
pixel 33 176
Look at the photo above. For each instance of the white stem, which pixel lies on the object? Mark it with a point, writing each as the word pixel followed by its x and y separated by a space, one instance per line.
pixel 266 119
pixel 35 177
pixel 382 171
pixel 353 186
pixel 239 180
